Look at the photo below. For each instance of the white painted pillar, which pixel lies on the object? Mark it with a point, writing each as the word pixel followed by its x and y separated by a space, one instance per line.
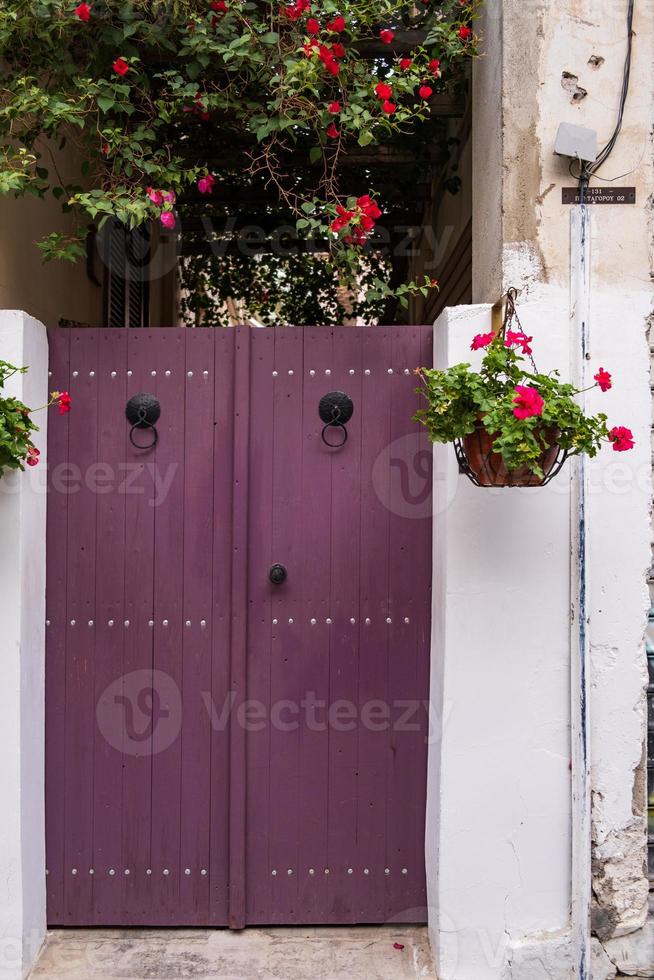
pixel 23 342
pixel 498 826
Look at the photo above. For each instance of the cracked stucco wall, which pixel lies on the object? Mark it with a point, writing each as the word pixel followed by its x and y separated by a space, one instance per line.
pixel 564 62
pixel 502 898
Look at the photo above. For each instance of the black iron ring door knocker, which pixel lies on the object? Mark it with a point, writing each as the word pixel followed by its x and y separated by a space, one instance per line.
pixel 142 412
pixel 336 409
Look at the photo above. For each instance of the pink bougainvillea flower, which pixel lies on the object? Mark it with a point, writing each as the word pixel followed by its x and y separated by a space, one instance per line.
pixel 333 132
pixel 120 66
pixel 516 338
pixel 167 219
pixel 155 196
pixel 389 107
pixel 435 67
pixel 622 438
pixel 528 402
pixel 387 36
pixel 465 33
pixel 334 108
pixel 383 91
pixel 205 184
pixel 603 379
pixel 170 197
pixel 64 400
pixel 425 91
pixel 482 340
pixel 32 457
pixel 83 11
pixel 337 25
pixel 313 27
pixel 405 63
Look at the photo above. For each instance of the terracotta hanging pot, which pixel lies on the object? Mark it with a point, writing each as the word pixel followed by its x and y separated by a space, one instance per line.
pixel 487 468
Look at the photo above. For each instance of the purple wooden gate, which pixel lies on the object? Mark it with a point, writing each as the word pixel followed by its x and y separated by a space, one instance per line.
pixel 222 750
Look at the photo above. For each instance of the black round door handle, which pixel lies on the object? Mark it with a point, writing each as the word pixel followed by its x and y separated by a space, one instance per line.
pixel 277 574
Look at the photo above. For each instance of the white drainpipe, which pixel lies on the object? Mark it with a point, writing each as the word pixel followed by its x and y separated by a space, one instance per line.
pixel 580 232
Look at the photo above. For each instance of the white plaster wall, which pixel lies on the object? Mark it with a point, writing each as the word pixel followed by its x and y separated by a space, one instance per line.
pixel 22 642
pixel 498 838
pixel 520 99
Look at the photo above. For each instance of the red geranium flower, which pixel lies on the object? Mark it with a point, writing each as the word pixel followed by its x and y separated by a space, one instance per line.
pixel 622 438
pixel 425 91
pixel 405 63
pixel 313 27
pixel 83 11
pixel 32 457
pixel 465 33
pixel 516 338
pixel 120 66
pixel 387 36
pixel 482 340
pixel 219 6
pixel 64 400
pixel 333 132
pixel 603 379
pixel 383 91
pixel 338 50
pixel 334 108
pixel 528 402
pixel 389 107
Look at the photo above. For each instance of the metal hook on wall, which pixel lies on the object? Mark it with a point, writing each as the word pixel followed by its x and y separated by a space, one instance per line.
pixel 336 409
pixel 143 411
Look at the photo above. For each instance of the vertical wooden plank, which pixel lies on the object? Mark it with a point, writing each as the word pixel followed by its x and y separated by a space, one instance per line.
pixel 56 630
pixel 137 887
pixel 238 664
pixel 197 618
pixel 221 378
pixel 410 524
pixel 80 659
pixel 110 588
pixel 169 364
pixel 373 651
pixel 262 448
pixel 344 658
pixel 314 668
pixel 285 829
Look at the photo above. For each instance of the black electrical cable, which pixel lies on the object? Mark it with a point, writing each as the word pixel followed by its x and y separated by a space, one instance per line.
pixel 588 169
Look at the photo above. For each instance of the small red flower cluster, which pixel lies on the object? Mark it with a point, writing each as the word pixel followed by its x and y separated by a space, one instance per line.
pixel 205 184
pixel 120 66
pixel 64 401
pixel 360 220
pixel 387 36
pixel 528 402
pixel 83 11
pixel 384 93
pixel 622 438
pixel 482 340
pixel 32 457
pixel 296 11
pixel 160 199
pixel 603 379
pixel 516 338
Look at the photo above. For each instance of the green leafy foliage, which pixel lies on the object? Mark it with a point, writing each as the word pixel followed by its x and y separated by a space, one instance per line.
pixel 15 425
pixel 224 89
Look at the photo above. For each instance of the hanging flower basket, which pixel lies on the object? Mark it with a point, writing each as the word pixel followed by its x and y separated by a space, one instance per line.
pixel 486 468
pixel 512 426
